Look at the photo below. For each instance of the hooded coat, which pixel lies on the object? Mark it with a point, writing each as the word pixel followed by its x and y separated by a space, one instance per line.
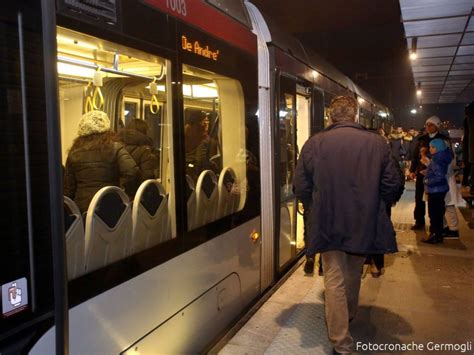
pixel 345 176
pixel 90 168
pixel 139 146
pixel 435 179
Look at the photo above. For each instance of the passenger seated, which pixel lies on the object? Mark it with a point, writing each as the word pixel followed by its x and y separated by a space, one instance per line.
pixel 138 144
pixel 96 160
pixel 199 147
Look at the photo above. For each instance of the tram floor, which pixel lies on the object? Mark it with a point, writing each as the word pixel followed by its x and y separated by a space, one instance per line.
pixel 425 297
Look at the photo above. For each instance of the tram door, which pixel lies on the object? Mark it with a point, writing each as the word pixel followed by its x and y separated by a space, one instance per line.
pixel 286 163
pixel 303 132
pixel 29 178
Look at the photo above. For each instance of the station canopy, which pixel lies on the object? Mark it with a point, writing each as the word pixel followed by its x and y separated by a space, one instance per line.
pixel 441 33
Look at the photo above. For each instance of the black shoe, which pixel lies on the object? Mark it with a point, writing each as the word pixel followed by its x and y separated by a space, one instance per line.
pixel 451 234
pixel 418 226
pixel 309 266
pixel 434 239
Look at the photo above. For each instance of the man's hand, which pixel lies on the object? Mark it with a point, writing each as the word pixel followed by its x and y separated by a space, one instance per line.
pixel 412 176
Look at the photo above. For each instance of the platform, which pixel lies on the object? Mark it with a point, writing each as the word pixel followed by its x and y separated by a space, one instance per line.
pixel 425 295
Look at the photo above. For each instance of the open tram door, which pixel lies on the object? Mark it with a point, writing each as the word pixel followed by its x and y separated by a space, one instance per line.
pixel 32 272
pixel 294 126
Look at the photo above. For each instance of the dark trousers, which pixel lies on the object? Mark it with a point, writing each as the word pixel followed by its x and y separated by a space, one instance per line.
pixel 420 207
pixel 436 209
pixel 466 174
pixel 378 259
pixel 305 234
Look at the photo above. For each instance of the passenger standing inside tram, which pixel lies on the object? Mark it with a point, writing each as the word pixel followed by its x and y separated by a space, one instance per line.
pixel 432 125
pixel 346 175
pixel 139 145
pixel 96 160
pixel 199 146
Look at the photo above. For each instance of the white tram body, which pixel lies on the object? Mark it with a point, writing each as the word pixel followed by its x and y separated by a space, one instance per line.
pixel 171 267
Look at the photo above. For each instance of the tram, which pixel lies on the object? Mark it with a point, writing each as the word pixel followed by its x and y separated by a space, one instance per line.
pixel 171 268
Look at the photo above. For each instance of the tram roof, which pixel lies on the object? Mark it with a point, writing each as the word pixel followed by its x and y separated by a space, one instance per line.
pixel 292 45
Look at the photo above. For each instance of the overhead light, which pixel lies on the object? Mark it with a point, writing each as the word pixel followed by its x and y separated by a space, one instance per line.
pixel 413 111
pixel 418 92
pixel 75 70
pixel 421 106
pixel 360 100
pixel 413 54
pixel 315 74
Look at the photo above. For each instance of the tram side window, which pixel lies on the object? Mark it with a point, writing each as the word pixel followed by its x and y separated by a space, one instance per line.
pixel 214 140
pixel 116 149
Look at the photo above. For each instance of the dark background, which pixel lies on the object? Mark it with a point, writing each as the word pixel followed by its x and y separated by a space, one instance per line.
pixel 365 40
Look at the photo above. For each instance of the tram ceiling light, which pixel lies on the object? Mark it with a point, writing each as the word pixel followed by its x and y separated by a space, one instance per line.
pixel 199 91
pixel 315 74
pixel 360 100
pixel 418 92
pixel 75 70
pixel 413 111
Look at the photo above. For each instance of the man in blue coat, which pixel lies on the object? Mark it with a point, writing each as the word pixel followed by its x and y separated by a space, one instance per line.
pixel 345 177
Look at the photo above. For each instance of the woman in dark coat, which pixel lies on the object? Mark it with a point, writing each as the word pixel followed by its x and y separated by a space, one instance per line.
pixel 96 160
pixel 139 145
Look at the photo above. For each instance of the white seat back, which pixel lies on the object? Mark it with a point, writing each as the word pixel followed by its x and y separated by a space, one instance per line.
pixel 229 198
pixel 191 202
pixel 150 216
pixel 108 228
pixel 206 198
pixel 75 243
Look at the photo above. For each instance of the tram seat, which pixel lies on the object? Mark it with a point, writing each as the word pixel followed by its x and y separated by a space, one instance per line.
pixel 190 202
pixel 228 201
pixel 75 243
pixel 108 228
pixel 206 198
pixel 150 218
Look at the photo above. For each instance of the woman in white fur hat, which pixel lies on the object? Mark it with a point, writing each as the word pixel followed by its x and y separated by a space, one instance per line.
pixel 96 160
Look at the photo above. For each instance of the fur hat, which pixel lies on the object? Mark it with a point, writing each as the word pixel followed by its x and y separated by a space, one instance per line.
pixel 439 144
pixel 93 122
pixel 434 120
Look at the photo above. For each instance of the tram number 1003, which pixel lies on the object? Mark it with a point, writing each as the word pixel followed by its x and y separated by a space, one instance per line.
pixel 178 6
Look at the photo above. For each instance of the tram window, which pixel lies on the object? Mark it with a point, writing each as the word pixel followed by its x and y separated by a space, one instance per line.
pixel 287 143
pixel 111 163
pixel 214 139
pixel 130 110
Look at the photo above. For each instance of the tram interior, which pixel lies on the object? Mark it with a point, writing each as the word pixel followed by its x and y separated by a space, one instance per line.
pixel 125 83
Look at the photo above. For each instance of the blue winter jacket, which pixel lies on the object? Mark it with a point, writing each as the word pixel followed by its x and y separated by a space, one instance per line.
pixel 435 179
